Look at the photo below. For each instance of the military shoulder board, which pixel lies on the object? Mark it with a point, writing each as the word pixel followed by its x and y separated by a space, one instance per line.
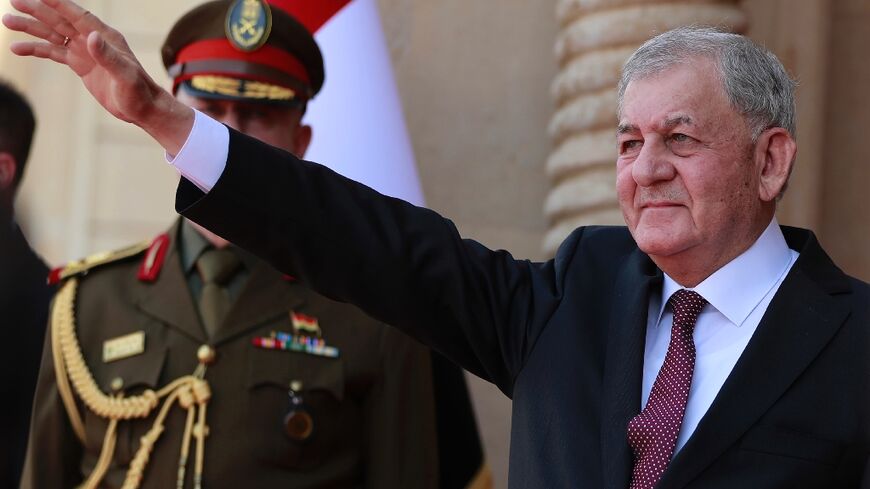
pixel 148 271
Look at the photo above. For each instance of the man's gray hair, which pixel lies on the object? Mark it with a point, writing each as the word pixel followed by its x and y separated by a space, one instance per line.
pixel 755 81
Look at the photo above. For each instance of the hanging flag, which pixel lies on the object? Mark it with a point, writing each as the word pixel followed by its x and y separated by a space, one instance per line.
pixel 359 129
pixel 311 13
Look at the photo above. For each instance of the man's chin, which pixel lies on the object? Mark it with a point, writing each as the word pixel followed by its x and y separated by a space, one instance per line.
pixel 658 243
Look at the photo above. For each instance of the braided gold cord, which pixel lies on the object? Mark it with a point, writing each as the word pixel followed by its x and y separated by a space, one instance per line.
pixel 63 319
pixel 146 446
pixel 200 432
pixel 185 442
pixel 61 313
pixel 191 391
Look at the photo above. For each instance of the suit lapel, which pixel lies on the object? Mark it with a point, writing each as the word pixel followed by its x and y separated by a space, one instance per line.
pixel 169 300
pixel 265 296
pixel 624 365
pixel 800 320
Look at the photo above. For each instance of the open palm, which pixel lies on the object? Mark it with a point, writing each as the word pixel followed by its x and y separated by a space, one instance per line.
pixel 100 56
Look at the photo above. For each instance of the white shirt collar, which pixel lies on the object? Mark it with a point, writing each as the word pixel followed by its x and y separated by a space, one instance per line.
pixel 753 273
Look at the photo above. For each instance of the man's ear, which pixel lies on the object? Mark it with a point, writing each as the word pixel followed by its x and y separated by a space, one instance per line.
pixel 774 156
pixel 8 170
pixel 302 140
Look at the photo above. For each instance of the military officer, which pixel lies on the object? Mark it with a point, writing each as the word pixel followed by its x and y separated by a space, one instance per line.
pixel 186 362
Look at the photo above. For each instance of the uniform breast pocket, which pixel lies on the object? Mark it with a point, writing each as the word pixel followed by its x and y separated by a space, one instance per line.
pixel 320 384
pixel 132 376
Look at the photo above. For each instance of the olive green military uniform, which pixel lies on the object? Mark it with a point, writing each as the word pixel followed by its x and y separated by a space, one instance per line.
pixel 371 408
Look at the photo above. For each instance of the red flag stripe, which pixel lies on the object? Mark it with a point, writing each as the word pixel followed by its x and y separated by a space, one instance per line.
pixel 312 14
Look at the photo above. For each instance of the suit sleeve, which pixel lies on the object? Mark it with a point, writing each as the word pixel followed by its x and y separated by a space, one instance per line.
pixel 53 451
pixel 400 427
pixel 402 264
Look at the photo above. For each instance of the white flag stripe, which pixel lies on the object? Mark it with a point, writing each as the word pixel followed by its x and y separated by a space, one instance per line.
pixel 359 129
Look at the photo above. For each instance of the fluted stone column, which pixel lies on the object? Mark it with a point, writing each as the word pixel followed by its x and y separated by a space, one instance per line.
pixel 595 39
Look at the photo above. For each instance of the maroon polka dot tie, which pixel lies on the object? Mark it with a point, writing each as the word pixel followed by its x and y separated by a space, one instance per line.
pixel 652 434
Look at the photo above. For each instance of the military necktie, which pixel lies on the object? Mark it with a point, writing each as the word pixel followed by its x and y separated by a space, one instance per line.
pixel 216 267
pixel 652 434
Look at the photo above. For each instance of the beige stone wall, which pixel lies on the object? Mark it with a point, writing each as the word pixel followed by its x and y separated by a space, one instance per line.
pixel 473 78
pixel 845 215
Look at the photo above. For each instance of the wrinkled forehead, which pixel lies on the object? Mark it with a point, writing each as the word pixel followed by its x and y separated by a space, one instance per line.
pixel 683 93
pixel 660 65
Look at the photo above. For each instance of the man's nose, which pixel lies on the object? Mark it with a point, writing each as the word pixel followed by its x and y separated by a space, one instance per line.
pixel 653 164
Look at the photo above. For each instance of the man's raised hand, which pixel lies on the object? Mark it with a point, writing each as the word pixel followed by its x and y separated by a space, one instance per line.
pixel 70 35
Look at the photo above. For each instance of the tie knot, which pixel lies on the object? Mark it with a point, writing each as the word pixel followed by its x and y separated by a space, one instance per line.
pixel 217 266
pixel 686 304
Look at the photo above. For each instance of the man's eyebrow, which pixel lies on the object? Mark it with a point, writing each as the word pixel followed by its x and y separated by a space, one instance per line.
pixel 669 123
pixel 678 120
pixel 625 128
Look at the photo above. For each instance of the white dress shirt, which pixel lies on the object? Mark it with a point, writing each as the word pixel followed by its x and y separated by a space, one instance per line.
pixel 738 293
pixel 203 156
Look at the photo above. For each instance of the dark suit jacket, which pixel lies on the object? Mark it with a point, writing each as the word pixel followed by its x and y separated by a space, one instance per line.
pixel 24 297
pixel 565 338
pixel 373 411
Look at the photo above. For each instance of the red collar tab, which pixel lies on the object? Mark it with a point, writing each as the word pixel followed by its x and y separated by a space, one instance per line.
pixel 54 276
pixel 151 265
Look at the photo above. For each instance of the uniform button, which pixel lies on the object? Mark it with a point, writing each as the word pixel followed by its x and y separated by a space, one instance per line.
pixel 296 386
pixel 298 425
pixel 117 384
pixel 206 354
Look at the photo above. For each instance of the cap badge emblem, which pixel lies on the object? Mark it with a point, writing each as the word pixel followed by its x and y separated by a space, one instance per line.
pixel 249 23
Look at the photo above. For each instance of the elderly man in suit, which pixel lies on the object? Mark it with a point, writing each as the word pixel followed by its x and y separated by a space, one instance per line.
pixel 701 346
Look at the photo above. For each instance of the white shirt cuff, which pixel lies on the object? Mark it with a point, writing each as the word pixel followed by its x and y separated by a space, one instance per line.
pixel 203 156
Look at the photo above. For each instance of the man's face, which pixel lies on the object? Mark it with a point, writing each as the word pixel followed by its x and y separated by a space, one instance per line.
pixel 275 125
pixel 686 180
